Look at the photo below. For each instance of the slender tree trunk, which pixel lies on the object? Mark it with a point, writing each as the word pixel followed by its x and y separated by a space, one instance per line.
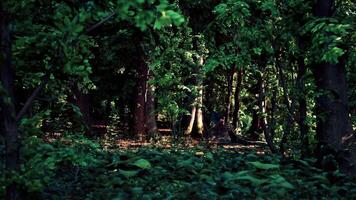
pixel 256 128
pixel 264 123
pixel 303 127
pixel 83 102
pixel 139 109
pixel 151 124
pixel 334 129
pixel 290 109
pixel 189 130
pixel 12 140
pixel 272 123
pixel 197 109
pixel 199 115
pixel 236 115
pixel 230 78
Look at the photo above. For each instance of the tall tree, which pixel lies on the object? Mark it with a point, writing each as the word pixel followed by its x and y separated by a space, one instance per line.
pixel 151 125
pixel 302 109
pixel 230 78
pixel 334 129
pixel 236 115
pixel 197 106
pixel 139 109
pixel 7 101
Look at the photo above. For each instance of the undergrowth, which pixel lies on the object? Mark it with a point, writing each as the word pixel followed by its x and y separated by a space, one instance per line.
pixel 77 168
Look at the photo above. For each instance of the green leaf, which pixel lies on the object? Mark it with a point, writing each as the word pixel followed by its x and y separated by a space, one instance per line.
pixel 280 181
pixel 265 166
pixel 252 179
pixel 333 54
pixel 157 25
pixel 142 163
pixel 257 51
pixel 78 28
pixel 185 163
pixel 209 156
pixel 128 173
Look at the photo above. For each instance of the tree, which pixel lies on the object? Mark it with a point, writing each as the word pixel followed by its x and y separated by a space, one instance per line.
pixel 7 101
pixel 334 128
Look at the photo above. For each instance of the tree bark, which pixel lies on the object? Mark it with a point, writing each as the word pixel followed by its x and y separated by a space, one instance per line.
pixel 272 122
pixel 230 78
pixel 236 115
pixel 189 129
pixel 151 124
pixel 334 129
pixel 290 108
pixel 303 127
pixel 256 129
pixel 139 109
pixel 7 71
pixel 264 124
pixel 199 115
pixel 83 102
pixel 197 107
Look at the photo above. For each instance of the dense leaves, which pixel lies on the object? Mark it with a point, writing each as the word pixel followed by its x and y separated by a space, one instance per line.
pixel 76 168
pixel 280 74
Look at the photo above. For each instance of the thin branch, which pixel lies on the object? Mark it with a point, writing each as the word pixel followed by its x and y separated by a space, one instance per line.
pixel 44 82
pixel 95 26
pixel 32 98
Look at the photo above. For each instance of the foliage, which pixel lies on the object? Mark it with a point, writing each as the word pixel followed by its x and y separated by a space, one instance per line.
pixel 91 60
pixel 76 168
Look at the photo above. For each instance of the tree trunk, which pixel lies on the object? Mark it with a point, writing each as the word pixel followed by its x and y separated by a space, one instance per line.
pixel 288 125
pixel 230 78
pixel 199 115
pixel 236 115
pixel 256 128
pixel 334 129
pixel 197 109
pixel 12 141
pixel 303 127
pixel 264 123
pixel 151 124
pixel 83 102
pixel 272 123
pixel 139 109
pixel 189 129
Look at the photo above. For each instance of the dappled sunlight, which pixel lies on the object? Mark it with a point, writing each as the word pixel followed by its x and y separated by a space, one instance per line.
pixel 177 99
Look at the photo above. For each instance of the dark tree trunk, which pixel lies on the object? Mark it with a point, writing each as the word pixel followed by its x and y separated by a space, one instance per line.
pixel 303 127
pixel 288 125
pixel 151 124
pixel 7 103
pixel 236 115
pixel 272 123
pixel 263 120
pixel 83 102
pixel 139 109
pixel 256 129
pixel 230 78
pixel 334 129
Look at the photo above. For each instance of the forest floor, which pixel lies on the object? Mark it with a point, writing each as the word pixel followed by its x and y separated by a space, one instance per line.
pixel 75 167
pixel 168 142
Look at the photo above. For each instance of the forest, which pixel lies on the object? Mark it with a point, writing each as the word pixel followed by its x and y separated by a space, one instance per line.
pixel 177 99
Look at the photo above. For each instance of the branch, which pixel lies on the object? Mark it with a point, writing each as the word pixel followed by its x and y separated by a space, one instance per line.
pixel 32 98
pixel 44 82
pixel 95 26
